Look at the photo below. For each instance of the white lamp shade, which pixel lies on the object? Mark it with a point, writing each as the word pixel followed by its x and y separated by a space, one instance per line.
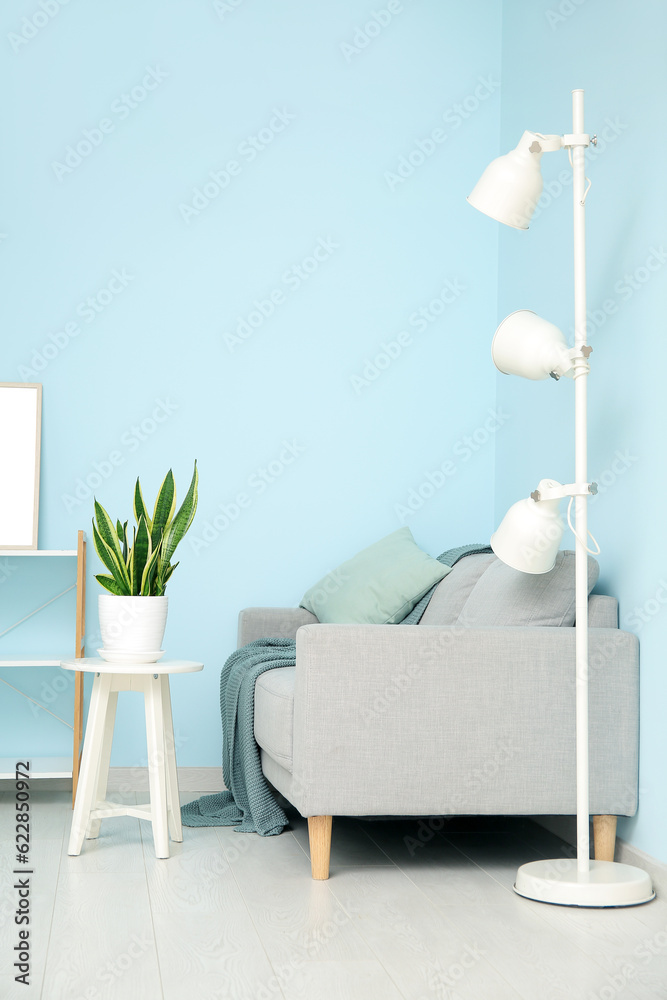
pixel 510 187
pixel 530 534
pixel 527 345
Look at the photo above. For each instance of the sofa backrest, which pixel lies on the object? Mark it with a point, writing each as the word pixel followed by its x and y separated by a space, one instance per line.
pixel 482 591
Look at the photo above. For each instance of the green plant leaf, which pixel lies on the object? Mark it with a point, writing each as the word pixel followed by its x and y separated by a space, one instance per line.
pixel 149 576
pixel 107 531
pixel 140 506
pixel 167 573
pixel 109 584
pixel 110 560
pixel 121 531
pixel 165 506
pixel 141 551
pixel 180 523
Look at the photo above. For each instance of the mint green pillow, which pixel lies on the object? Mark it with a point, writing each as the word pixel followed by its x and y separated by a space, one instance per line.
pixel 379 586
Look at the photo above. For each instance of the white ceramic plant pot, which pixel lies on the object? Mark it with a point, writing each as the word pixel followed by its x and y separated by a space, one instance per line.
pixel 132 624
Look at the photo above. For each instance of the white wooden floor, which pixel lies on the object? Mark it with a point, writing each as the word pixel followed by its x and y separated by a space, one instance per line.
pixel 407 913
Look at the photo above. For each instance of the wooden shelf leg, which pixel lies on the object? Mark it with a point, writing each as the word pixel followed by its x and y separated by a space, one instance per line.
pixel 78 731
pixel 79 651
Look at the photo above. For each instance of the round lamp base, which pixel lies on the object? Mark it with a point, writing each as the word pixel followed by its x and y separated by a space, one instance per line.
pixel 606 883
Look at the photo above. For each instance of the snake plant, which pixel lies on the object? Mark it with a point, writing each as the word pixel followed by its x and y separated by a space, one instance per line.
pixel 143 568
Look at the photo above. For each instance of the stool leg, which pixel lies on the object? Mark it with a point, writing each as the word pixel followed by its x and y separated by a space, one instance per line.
pixel 100 792
pixel 92 748
pixel 173 800
pixel 156 764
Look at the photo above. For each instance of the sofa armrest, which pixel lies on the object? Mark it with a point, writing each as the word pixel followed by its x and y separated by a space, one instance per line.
pixel 274 623
pixel 602 611
pixel 418 720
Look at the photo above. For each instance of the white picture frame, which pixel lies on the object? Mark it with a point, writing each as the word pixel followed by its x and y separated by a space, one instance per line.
pixel 20 446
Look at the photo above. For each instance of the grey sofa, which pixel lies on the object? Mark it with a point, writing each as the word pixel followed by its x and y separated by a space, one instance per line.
pixel 450 716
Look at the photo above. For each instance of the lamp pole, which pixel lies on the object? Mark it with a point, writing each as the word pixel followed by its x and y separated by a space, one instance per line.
pixel 581 368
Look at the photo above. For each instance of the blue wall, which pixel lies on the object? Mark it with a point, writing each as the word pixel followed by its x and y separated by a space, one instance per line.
pixel 549 48
pixel 238 233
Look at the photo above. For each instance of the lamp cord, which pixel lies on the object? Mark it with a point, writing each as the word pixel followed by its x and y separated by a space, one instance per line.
pixel 591 552
pixel 583 200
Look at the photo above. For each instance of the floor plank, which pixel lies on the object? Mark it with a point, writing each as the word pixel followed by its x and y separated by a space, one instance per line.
pixel 424 952
pixel 428 859
pixel 213 955
pixel 498 854
pixel 298 919
pixel 340 981
pixel 102 939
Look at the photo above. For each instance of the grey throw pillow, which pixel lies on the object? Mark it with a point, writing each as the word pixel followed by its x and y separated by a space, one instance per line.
pixel 482 591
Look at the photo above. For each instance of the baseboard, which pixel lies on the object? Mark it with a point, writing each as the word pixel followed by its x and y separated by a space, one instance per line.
pixel 135 779
pixel 565 827
pixel 190 779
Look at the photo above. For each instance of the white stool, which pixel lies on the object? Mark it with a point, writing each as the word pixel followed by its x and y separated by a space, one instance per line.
pixel 91 806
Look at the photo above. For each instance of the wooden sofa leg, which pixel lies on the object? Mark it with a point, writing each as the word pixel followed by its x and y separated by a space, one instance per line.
pixel 604 837
pixel 319 835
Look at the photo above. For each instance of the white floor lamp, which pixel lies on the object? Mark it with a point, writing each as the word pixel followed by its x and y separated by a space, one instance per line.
pixel 530 534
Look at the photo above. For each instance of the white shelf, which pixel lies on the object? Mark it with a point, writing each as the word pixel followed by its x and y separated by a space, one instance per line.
pixel 32 661
pixel 40 767
pixel 38 552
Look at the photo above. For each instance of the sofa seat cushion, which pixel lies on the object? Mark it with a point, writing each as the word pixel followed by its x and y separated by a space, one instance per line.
pixel 274 714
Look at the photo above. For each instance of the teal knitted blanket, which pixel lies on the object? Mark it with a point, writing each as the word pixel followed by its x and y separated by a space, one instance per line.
pixel 248 803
